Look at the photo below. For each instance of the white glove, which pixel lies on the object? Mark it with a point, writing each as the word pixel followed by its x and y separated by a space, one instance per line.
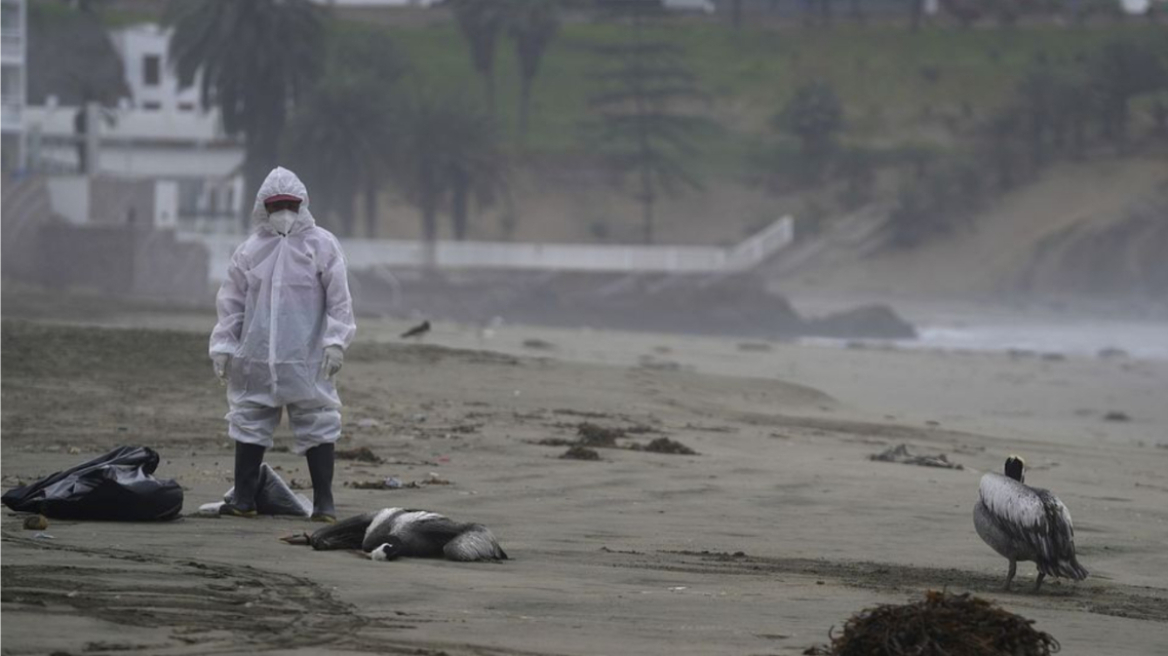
pixel 334 358
pixel 221 361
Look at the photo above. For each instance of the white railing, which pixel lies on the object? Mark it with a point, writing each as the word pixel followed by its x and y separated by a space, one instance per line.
pixel 370 253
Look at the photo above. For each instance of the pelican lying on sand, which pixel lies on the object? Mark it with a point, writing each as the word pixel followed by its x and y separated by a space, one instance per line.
pixel 1026 523
pixel 395 532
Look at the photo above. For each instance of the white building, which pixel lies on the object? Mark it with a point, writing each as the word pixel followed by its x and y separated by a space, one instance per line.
pixel 158 134
pixel 153 84
pixel 13 55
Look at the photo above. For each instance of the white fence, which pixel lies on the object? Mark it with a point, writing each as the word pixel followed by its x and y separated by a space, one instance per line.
pixel 369 253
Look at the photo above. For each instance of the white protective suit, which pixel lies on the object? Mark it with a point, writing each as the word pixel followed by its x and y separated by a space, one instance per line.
pixel 285 299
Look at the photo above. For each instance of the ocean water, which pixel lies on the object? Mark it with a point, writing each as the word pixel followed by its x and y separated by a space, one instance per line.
pixel 1070 337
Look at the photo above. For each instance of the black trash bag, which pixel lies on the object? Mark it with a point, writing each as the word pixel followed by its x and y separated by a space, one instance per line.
pixel 118 485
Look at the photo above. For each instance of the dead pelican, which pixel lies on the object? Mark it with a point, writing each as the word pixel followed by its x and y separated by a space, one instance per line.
pixel 395 533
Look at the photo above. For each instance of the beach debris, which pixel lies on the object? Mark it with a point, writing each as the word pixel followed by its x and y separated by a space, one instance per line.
pixel 666 445
pixel 580 413
pixel 360 454
pixel 710 428
pixel 1116 415
pixel 941 623
pixel 556 441
pixel 580 452
pixel 396 483
pixel 368 422
pixel 900 454
pixel 538 344
pixel 43 536
pixel 596 435
pixel 36 522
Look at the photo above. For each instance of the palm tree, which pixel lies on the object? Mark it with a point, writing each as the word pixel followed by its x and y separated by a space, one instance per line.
pixel 344 131
pixel 252 61
pixel 476 165
pixel 532 26
pixel 642 123
pixel 480 22
pixel 446 148
pixel 340 142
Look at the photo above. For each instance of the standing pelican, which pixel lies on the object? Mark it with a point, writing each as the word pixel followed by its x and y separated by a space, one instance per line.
pixel 1026 523
pixel 393 532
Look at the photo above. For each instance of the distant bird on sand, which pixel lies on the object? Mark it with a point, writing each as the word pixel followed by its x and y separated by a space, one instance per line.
pixel 392 533
pixel 1026 523
pixel 417 331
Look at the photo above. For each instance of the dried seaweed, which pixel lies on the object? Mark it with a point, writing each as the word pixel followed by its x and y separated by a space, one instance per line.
pixel 901 455
pixel 666 445
pixel 940 625
pixel 578 452
pixel 360 454
pixel 595 435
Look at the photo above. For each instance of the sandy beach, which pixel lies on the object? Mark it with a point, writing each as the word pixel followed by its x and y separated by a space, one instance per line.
pixel 777 530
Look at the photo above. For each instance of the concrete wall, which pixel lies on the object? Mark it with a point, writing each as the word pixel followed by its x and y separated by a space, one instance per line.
pixel 117 201
pixel 69 197
pixel 122 260
pixel 113 200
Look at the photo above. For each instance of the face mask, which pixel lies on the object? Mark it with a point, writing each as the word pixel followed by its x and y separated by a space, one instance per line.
pixel 282 221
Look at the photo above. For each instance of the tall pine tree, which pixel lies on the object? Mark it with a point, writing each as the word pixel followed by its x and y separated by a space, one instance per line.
pixel 645 121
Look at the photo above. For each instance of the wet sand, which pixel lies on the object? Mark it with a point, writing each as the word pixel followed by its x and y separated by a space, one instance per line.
pixel 780 528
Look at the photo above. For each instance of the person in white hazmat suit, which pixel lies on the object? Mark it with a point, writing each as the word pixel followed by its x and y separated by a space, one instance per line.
pixel 285 320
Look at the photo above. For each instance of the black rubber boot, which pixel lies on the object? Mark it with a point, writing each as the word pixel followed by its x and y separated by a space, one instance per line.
pixel 248 458
pixel 320 468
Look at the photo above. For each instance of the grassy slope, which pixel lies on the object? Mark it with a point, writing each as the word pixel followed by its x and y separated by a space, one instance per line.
pixel 878 71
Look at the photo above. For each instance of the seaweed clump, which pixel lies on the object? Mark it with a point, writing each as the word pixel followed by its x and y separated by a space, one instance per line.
pixel 941 624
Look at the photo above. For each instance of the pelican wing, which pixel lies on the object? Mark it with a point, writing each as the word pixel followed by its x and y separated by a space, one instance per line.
pixel 345 534
pixel 380 526
pixel 475 542
pixel 1034 517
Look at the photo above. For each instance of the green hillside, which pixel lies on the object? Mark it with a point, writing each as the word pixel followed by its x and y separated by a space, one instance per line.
pixel 897 86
